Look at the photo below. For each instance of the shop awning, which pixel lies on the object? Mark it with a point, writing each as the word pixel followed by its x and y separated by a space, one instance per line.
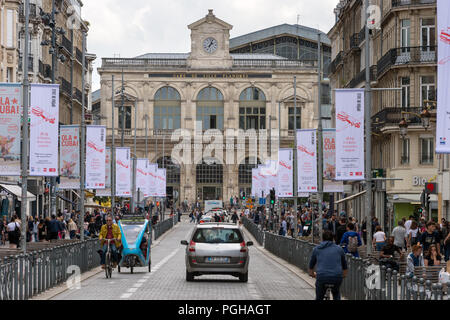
pixel 413 198
pixel 17 191
pixel 351 197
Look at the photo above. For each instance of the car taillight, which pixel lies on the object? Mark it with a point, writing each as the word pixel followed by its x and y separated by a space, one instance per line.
pixel 201 221
pixel 243 248
pixel 192 246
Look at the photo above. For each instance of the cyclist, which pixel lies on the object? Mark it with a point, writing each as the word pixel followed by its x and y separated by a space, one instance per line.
pixel 331 265
pixel 110 230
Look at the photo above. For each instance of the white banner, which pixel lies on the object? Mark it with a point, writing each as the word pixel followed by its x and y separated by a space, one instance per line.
pixel 329 162
pixel 161 182
pixel 44 125
pixel 69 158
pixel 95 157
pixel 152 185
pixel 107 191
pixel 263 189
pixel 349 134
pixel 285 175
pixel 10 118
pixel 255 182
pixel 141 175
pixel 307 161
pixel 123 172
pixel 443 81
pixel 271 173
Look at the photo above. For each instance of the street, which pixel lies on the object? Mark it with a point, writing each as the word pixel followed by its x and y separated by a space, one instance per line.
pixel 268 280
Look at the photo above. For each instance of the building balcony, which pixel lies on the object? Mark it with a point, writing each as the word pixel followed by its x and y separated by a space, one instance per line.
pixel 45 70
pixel 34 15
pixel 361 77
pixel 403 3
pixel 336 62
pixel 392 117
pixel 66 87
pixel 66 44
pixel 406 56
pixel 272 64
pixel 79 55
pixel 77 95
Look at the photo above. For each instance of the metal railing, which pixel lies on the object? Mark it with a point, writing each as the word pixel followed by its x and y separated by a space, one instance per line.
pixel 336 62
pixel 161 227
pixel 400 3
pixel 393 116
pixel 79 55
pixel 65 87
pixel 254 229
pixel 23 276
pixel 361 77
pixel 67 44
pixel 265 63
pixel 406 55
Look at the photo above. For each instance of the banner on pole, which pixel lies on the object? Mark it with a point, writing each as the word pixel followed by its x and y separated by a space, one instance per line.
pixel 161 182
pixel 123 172
pixel 443 75
pixel 69 158
pixel 44 125
pixel 10 118
pixel 307 161
pixel 285 175
pixel 255 182
pixel 329 162
pixel 95 157
pixel 349 134
pixel 152 180
pixel 141 175
pixel 263 183
pixel 107 191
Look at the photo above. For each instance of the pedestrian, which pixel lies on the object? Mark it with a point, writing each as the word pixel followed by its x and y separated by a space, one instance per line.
pixel 54 228
pixel 341 229
pixel 429 237
pixel 447 245
pixel 72 227
pixel 92 229
pixel 387 255
pixel 35 229
pixel 283 227
pixel 414 259
pixel 14 234
pixel 408 223
pixel 413 234
pixel 379 238
pixel 432 257
pixel 234 217
pixel 2 231
pixel 399 234
pixel 351 240
pixel 42 232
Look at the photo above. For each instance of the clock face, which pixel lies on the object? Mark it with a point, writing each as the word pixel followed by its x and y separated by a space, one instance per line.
pixel 210 45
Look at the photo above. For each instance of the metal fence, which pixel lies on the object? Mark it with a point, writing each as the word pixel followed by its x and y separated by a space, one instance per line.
pixel 26 275
pixel 364 281
pixel 161 227
pixel 254 229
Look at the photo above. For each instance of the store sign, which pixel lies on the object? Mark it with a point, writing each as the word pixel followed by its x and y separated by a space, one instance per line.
pixel 69 158
pixel 95 157
pixel 44 125
pixel 307 161
pixel 349 134
pixel 419 181
pixel 443 82
pixel 10 118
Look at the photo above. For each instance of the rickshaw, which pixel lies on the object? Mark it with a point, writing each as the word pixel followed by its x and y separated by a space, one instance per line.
pixel 136 243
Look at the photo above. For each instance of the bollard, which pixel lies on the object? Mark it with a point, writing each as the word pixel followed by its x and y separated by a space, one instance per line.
pixel 439 295
pixel 428 290
pixel 395 284
pixel 383 283
pixel 434 292
pixel 414 288
pixel 39 272
pixel 389 283
pixel 408 288
pixel 422 289
pixel 20 277
pixel 26 274
pixel 402 288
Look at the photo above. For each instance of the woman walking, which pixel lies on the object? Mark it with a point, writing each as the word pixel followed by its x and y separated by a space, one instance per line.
pixel 72 227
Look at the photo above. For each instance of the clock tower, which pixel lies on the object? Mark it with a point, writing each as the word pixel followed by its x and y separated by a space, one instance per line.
pixel 210 44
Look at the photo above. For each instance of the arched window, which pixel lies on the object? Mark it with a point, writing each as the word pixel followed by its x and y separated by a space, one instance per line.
pixel 252 109
pixel 210 108
pixel 167 109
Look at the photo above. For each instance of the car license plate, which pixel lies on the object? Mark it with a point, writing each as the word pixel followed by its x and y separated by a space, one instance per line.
pixel 217 260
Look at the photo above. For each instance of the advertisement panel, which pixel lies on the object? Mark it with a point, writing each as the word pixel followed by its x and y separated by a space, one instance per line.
pixel 95 157
pixel 141 175
pixel 285 180
pixel 161 182
pixel 443 75
pixel 329 162
pixel 307 161
pixel 10 118
pixel 69 158
pixel 152 184
pixel 44 125
pixel 349 134
pixel 107 191
pixel 270 171
pixel 255 182
pixel 123 172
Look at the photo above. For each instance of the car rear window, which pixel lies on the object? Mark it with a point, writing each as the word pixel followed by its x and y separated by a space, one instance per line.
pixel 217 235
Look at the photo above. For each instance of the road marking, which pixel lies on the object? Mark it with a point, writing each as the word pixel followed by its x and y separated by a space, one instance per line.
pixel 125 296
pixel 132 290
pixel 137 285
pixel 143 280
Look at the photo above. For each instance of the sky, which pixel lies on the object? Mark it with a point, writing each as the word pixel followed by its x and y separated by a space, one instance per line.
pixel 134 27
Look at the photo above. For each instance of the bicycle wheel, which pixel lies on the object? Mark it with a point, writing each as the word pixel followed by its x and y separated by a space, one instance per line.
pixel 108 265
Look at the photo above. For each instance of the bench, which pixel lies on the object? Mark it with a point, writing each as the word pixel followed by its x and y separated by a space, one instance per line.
pixel 428 273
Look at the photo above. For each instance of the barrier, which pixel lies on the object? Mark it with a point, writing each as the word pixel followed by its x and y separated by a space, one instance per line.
pixel 161 227
pixel 254 229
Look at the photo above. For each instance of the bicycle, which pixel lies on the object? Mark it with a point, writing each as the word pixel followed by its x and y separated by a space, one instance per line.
pixel 108 259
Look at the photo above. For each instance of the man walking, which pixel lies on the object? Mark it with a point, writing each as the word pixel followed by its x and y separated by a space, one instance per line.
pixel 333 225
pixel 331 266
pixel 399 234
pixel 351 241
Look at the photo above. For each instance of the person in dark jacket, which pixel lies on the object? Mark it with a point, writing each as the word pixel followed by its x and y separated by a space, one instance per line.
pixel 53 228
pixel 331 266
pixel 333 226
pixel 341 229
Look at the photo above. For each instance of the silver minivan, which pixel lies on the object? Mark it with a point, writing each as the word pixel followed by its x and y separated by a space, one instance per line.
pixel 217 248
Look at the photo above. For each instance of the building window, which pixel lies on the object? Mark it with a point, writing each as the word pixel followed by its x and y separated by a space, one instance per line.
pixel 127 117
pixel 405 84
pixel 252 109
pixel 172 169
pixel 210 108
pixel 209 172
pixel 167 109
pixel 405 152
pixel 292 116
pixel 428 35
pixel 9 74
pixel 405 35
pixel 427 89
pixel 245 170
pixel 426 151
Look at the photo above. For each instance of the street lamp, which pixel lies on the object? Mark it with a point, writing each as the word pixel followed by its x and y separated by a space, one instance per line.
pixel 425 115
pixel 403 128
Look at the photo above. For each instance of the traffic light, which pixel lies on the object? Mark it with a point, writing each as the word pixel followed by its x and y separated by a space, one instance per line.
pixel 431 188
pixel 272 196
pixel 243 195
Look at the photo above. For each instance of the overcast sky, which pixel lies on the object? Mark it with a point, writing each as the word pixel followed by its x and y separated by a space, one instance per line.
pixel 134 27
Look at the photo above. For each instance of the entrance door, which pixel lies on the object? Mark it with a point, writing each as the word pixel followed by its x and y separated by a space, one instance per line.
pixel 209 193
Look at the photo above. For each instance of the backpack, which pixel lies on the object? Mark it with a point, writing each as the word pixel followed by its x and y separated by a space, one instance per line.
pixel 352 246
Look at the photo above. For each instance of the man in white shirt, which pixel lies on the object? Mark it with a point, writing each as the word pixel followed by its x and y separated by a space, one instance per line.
pixel 408 223
pixel 399 234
